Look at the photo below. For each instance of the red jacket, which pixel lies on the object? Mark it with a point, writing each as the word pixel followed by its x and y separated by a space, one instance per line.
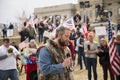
pixel 71 47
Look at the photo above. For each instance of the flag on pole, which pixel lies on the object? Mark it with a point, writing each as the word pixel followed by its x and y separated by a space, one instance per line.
pixel 45 21
pixel 29 21
pixel 69 24
pixel 36 20
pixel 113 53
pixel 24 44
pixel 84 27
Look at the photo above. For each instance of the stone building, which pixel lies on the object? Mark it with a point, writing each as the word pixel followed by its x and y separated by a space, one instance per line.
pixel 57 10
pixel 90 10
pixel 87 7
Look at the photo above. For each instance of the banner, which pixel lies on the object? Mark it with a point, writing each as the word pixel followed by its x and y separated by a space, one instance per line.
pixel 100 30
pixel 9 32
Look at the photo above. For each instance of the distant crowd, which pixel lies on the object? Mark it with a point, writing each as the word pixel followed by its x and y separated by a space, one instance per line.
pixel 54 56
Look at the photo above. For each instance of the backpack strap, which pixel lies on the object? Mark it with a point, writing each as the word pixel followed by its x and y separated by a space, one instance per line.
pixel 37 52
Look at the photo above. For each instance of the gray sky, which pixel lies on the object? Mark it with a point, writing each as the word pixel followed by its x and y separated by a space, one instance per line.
pixel 10 9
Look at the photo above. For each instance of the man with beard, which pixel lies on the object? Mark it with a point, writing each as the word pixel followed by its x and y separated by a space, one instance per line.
pixel 54 58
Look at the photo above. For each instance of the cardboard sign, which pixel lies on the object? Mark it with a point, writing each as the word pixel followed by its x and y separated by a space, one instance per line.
pixel 100 30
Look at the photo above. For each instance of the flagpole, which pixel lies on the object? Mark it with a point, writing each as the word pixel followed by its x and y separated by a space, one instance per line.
pixel 109 24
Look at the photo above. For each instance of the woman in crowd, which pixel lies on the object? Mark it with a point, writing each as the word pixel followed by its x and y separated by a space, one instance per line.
pixel 31 67
pixel 104 59
pixel 90 48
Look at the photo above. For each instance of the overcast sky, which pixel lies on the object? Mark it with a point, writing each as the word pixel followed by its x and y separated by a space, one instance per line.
pixel 10 9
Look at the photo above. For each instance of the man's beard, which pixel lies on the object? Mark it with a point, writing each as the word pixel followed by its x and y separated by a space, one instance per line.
pixel 62 43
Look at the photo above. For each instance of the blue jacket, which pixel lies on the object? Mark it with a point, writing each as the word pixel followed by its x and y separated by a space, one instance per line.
pixel 45 63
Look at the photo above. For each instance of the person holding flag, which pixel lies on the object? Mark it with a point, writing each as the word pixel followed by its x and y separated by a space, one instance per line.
pixel 113 52
pixel 104 59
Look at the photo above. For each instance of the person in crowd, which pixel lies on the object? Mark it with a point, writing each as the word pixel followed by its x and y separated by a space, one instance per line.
pixel 77 19
pixel 118 42
pixel 72 49
pixel 41 29
pixel 104 59
pixel 45 37
pixel 11 26
pixel 36 25
pixel 58 21
pixel 91 50
pixel 118 26
pixel 24 34
pixel 118 48
pixel 23 61
pixel 80 45
pixel 17 58
pixel 4 30
pixel 64 18
pixel 32 32
pixel 72 35
pixel 54 58
pixel 51 26
pixel 78 23
pixel 15 45
pixel 31 60
pixel 8 68
pixel 77 35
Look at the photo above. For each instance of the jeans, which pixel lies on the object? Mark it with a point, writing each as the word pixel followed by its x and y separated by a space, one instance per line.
pixel 80 55
pixel 6 74
pixel 106 67
pixel 40 38
pixel 4 34
pixel 92 62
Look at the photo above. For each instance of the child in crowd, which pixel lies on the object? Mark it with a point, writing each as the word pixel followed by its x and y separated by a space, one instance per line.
pixel 23 61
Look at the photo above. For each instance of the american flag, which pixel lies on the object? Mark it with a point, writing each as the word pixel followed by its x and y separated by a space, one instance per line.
pixel 24 44
pixel 84 27
pixel 69 23
pixel 36 20
pixel 113 53
pixel 29 21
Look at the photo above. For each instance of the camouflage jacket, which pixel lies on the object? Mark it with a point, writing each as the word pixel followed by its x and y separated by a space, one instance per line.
pixel 57 55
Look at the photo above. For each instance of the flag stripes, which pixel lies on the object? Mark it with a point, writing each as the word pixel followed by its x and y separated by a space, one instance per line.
pixel 113 53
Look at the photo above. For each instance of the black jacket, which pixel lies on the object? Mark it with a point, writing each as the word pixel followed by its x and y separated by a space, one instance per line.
pixel 104 56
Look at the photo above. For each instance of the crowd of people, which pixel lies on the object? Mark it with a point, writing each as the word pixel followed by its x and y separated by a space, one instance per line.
pixel 54 58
